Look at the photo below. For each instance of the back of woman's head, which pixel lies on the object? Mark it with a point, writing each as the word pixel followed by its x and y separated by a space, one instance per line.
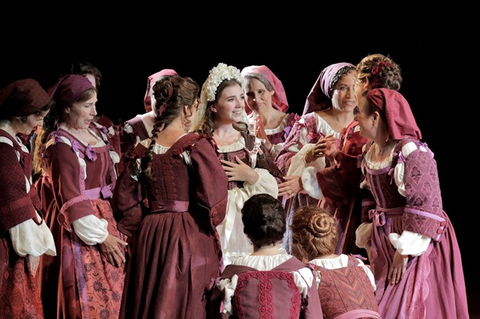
pixel 171 93
pixel 314 232
pixel 381 71
pixel 264 219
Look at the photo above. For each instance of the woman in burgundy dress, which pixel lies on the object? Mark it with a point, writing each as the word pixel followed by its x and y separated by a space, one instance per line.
pixel 24 235
pixel 414 252
pixel 86 279
pixel 169 199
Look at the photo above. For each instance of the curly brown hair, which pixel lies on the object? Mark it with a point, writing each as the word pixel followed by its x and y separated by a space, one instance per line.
pixel 314 232
pixel 381 71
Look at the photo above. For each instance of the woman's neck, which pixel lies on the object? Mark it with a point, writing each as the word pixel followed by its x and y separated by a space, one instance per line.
pixel 8 128
pixel 271 118
pixel 337 119
pixel 65 126
pixel 266 250
pixel 168 136
pixel 226 134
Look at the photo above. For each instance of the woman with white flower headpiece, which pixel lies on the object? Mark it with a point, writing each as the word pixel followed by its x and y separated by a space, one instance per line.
pixel 222 116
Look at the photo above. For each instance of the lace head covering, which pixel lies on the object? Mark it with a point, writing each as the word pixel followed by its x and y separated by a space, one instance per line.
pixel 279 98
pixel 215 77
pixel 151 81
pixel 320 97
pixel 398 114
pixel 23 97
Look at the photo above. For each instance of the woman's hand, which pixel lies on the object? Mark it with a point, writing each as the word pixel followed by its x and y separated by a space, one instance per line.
pixel 111 251
pixel 291 187
pixel 239 171
pixel 325 146
pixel 32 263
pixel 398 268
pixel 260 133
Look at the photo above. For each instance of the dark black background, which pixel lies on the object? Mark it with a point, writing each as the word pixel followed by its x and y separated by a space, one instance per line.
pixel 435 46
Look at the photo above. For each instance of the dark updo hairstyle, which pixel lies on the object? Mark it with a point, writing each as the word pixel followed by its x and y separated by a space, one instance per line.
pixel 381 72
pixel 84 68
pixel 264 220
pixel 314 232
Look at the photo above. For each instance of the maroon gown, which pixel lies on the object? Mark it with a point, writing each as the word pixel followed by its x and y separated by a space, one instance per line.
pixel 79 282
pixel 19 291
pixel 175 249
pixel 433 285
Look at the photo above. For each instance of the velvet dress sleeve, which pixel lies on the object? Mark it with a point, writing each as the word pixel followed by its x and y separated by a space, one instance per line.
pixel 63 167
pixel 16 204
pixel 212 183
pixel 128 201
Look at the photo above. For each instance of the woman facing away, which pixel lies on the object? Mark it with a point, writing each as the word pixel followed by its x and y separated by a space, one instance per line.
pixel 347 286
pixel 269 283
pixel 169 199
pixel 140 127
pixel 222 116
pixel 414 251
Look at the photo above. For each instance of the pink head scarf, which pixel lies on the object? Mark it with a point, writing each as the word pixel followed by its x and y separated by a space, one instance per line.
pixel 400 120
pixel 151 81
pixel 69 89
pixel 319 97
pixel 23 97
pixel 279 99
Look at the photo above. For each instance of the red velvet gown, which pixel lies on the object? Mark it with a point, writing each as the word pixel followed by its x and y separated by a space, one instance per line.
pixel 79 282
pixel 171 217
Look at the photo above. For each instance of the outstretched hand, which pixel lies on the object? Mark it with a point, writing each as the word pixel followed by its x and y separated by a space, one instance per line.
pixel 291 187
pixel 325 146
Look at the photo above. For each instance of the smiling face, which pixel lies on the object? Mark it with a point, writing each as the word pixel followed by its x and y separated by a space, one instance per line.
pixel 258 97
pixel 343 95
pixel 81 114
pixel 366 118
pixel 230 105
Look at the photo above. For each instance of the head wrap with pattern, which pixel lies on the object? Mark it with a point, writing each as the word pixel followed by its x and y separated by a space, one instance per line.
pixel 320 97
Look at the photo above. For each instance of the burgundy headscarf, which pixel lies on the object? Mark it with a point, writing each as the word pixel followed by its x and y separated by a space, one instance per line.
pixel 319 97
pixel 69 89
pixel 400 120
pixel 23 97
pixel 279 98
pixel 151 81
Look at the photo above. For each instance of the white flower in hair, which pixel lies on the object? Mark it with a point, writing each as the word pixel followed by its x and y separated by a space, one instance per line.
pixel 218 74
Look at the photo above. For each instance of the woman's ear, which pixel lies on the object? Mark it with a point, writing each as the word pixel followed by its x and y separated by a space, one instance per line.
pixel 376 117
pixel 366 84
pixel 213 108
pixel 186 110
